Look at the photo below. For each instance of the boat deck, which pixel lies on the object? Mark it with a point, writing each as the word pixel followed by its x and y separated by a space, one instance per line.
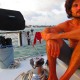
pixel 11 74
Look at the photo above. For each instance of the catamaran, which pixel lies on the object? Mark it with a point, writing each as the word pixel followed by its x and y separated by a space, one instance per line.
pixel 23 68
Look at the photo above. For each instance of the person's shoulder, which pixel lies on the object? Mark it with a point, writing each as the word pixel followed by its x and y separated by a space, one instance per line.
pixel 65 23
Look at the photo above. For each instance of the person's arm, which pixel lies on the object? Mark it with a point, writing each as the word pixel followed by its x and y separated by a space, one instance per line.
pixel 71 35
pixel 51 31
pixel 68 35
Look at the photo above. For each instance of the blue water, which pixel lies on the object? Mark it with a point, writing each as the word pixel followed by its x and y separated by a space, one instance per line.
pixel 29 50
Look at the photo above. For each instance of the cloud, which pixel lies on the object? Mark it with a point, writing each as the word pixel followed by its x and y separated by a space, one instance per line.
pixel 38 11
pixel 51 16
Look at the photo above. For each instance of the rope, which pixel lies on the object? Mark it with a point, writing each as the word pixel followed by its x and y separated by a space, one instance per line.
pixel 23 76
pixel 36 49
pixel 29 75
pixel 20 76
pixel 14 65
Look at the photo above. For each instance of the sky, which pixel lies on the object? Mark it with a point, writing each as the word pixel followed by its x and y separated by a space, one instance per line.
pixel 38 12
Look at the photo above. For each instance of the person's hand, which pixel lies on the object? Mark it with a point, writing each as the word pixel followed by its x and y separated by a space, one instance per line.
pixel 53 48
pixel 47 33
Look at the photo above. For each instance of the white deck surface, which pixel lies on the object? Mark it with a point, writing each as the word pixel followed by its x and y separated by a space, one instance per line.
pixel 11 74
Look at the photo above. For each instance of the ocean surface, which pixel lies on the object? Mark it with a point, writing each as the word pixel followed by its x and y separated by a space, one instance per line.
pixel 27 50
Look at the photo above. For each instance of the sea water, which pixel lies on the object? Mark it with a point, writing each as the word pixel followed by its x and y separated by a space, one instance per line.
pixel 27 50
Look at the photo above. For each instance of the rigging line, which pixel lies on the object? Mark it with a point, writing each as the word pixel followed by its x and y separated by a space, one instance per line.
pixel 36 49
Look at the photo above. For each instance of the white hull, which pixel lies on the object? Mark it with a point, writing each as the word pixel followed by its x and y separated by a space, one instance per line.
pixel 11 74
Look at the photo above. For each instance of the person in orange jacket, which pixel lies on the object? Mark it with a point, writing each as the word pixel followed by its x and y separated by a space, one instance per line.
pixel 56 35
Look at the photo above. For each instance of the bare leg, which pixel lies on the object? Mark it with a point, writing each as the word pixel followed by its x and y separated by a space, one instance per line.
pixel 52 64
pixel 74 63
